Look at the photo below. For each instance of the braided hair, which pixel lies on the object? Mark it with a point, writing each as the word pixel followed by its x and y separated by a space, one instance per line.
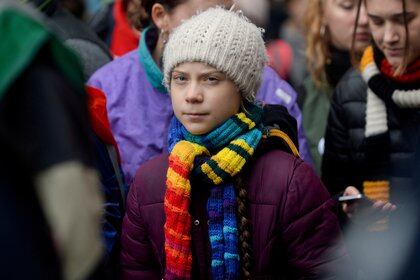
pixel 244 228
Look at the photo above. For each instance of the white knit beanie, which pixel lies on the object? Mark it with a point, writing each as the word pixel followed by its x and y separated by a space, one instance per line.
pixel 223 39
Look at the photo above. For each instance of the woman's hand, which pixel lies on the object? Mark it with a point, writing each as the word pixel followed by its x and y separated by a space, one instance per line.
pixel 378 208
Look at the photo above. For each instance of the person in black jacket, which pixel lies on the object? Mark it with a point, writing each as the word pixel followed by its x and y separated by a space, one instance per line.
pixel 93 54
pixel 50 199
pixel 375 112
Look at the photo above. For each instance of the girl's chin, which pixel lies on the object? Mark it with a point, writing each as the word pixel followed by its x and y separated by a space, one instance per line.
pixel 395 63
pixel 196 129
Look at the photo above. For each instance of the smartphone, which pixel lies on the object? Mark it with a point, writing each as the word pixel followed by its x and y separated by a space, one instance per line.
pixel 360 199
pixel 350 198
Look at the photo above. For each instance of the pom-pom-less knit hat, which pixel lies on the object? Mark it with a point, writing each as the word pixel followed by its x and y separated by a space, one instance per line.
pixel 223 39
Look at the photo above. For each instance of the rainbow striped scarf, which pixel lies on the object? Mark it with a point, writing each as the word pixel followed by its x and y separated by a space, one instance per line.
pixel 228 147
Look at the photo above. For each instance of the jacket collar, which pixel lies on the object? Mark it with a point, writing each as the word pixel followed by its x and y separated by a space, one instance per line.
pixel 153 73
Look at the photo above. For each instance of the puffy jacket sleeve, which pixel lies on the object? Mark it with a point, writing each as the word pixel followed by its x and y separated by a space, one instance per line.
pixel 137 254
pixel 311 232
pixel 337 171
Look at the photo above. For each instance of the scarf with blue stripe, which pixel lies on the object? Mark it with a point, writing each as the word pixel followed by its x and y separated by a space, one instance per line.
pixel 227 148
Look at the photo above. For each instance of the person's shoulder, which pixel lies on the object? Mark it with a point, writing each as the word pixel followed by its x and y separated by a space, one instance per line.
pixel 351 87
pixel 271 76
pixel 281 179
pixel 121 66
pixel 150 180
pixel 279 156
pixel 270 176
pixel 275 90
pixel 279 160
pixel 352 76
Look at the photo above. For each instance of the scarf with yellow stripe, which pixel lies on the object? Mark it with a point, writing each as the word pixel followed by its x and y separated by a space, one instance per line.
pixel 386 90
pixel 226 150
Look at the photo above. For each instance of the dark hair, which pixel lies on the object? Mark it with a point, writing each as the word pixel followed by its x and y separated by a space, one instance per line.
pixel 134 13
pixel 356 59
pixel 147 5
pixel 244 228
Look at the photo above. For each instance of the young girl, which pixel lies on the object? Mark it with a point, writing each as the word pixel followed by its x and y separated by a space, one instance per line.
pixel 138 105
pixel 375 116
pixel 219 206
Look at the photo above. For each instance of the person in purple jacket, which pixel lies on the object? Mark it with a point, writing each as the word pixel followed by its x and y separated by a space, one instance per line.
pixel 138 105
pixel 220 205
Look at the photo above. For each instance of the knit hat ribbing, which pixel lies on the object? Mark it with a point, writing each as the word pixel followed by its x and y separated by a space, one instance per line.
pixel 223 39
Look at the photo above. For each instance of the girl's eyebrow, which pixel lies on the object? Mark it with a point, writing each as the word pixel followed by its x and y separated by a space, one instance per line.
pixel 211 72
pixel 407 15
pixel 393 16
pixel 204 73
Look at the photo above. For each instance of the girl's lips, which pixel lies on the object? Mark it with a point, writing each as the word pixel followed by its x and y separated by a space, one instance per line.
pixel 195 114
pixel 363 36
pixel 195 117
pixel 394 52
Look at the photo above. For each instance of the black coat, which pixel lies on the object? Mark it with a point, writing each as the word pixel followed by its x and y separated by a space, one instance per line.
pixel 350 158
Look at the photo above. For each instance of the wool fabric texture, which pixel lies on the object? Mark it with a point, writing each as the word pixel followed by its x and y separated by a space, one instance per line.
pixel 226 150
pixel 402 91
pixel 223 39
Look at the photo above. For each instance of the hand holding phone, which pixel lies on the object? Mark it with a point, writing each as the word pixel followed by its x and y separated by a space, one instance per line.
pixel 355 203
pixel 359 199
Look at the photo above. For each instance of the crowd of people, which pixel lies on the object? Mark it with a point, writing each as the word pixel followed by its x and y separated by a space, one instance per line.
pixel 209 139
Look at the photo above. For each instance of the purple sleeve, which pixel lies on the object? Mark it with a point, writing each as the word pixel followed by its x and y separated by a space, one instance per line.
pixel 274 90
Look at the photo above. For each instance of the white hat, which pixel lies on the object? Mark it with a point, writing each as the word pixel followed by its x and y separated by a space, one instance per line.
pixel 223 39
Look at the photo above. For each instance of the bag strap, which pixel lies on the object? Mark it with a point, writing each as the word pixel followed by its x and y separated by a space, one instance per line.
pixel 113 156
pixel 276 132
pixel 280 130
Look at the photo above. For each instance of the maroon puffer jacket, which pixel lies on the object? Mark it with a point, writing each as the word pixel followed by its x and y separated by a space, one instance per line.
pixel 295 233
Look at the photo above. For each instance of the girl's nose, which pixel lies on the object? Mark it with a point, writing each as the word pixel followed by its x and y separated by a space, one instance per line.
pixel 194 94
pixel 390 34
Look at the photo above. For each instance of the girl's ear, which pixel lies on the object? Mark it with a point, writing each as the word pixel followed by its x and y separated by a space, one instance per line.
pixel 160 17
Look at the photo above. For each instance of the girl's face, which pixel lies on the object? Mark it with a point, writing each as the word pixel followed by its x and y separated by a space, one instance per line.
pixel 191 7
pixel 386 22
pixel 339 17
pixel 202 97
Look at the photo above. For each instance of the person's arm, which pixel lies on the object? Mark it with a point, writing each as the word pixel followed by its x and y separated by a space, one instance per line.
pixel 336 163
pixel 137 255
pixel 311 232
pixel 46 121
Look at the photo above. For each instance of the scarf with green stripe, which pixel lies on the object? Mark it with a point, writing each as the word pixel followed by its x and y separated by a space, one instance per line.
pixel 226 150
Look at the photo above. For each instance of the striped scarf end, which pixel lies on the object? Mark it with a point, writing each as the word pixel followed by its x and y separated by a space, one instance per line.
pixel 217 263
pixel 231 256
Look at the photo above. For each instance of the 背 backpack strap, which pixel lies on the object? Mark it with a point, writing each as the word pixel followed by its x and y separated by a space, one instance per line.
pixel 280 130
pixel 114 159
pixel 284 138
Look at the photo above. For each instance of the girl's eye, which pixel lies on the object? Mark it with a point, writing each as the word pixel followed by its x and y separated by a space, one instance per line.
pixel 179 79
pixel 347 5
pixel 377 21
pixel 212 79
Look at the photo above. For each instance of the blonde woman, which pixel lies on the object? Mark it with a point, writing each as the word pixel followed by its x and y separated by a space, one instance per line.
pixel 329 32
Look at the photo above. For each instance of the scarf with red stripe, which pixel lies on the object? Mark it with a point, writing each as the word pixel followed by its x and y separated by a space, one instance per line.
pixel 228 148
